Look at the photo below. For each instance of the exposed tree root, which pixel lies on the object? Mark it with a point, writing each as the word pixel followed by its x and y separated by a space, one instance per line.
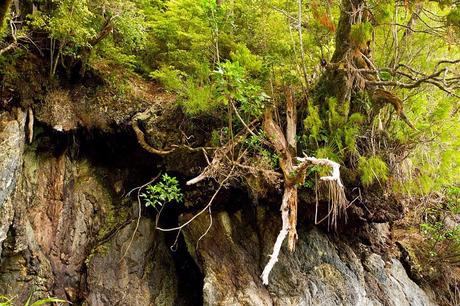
pixel 141 139
pixel 139 213
pixel 281 236
pixel 30 125
pixel 221 160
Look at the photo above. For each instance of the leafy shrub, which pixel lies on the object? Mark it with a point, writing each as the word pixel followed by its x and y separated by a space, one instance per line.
pixel 163 192
pixel 252 63
pixel 170 78
pixel 198 99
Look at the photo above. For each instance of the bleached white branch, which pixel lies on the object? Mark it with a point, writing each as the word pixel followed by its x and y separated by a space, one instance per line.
pixel 279 240
pixel 196 180
pixel 335 175
pixel 304 162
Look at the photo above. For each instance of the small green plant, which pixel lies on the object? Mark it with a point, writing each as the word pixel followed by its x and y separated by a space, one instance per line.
pixel 5 301
pixel 437 230
pixel 442 238
pixel 163 192
pixel 234 86
pixel 170 78
pixel 437 233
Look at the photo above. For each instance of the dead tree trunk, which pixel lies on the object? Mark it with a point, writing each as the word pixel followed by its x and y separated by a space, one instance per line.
pixel 294 175
pixel 286 147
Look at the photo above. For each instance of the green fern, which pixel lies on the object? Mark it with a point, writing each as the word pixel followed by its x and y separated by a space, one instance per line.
pixel 312 122
pixel 372 169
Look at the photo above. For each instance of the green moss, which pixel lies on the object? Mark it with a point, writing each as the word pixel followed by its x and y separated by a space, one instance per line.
pixel 112 219
pixel 99 250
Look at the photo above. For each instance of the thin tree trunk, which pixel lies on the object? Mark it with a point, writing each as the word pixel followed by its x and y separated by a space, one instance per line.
pixel 302 53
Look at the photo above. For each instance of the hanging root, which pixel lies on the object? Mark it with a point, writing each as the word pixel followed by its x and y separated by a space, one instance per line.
pixel 339 202
pixel 335 175
pixel 30 125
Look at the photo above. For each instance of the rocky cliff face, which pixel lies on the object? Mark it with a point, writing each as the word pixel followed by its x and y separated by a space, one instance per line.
pixel 322 270
pixel 66 230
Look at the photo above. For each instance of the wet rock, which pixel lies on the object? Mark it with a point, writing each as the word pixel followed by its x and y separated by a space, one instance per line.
pixel 228 256
pixel 394 283
pixel 12 144
pixel 70 232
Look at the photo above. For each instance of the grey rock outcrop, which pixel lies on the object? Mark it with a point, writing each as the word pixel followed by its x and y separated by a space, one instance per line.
pixel 65 230
pixel 11 150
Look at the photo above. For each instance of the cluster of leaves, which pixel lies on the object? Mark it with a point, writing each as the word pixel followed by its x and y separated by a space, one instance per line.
pixel 163 192
pixel 115 29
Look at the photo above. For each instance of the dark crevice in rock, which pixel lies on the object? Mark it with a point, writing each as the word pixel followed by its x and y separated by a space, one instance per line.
pixel 189 276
